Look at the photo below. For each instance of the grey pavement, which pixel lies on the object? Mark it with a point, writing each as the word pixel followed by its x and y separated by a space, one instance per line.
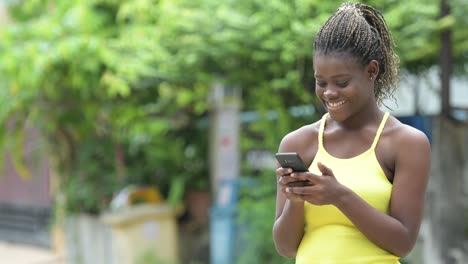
pixel 11 253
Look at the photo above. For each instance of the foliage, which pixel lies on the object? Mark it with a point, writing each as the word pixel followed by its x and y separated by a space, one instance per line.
pixel 416 26
pixel 91 88
pixel 255 221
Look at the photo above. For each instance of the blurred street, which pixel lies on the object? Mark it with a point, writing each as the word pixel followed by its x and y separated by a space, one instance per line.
pixel 25 254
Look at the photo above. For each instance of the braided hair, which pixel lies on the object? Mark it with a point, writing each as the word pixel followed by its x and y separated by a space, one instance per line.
pixel 361 31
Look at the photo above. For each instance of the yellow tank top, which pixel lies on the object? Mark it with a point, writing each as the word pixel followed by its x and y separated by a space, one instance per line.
pixel 330 237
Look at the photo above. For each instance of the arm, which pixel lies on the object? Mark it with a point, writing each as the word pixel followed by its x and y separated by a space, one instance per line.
pixel 398 231
pixel 288 228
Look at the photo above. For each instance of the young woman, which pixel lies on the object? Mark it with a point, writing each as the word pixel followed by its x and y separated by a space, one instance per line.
pixel 367 171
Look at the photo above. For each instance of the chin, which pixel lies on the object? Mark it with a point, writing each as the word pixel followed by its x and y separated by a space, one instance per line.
pixel 339 115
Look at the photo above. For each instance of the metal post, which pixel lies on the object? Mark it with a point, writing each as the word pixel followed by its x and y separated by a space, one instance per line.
pixel 224 168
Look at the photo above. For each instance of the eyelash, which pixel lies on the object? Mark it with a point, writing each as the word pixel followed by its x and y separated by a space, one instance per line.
pixel 321 84
pixel 342 84
pixel 339 84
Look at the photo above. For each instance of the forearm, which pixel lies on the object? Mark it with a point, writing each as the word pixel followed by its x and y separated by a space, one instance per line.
pixel 288 229
pixel 380 228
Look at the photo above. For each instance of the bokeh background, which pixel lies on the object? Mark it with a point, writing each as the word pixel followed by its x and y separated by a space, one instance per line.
pixel 144 131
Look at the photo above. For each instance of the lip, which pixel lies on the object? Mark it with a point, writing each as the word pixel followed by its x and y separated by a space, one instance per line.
pixel 335 104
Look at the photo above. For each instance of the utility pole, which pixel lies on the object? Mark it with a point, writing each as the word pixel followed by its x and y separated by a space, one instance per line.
pixel 4 18
pixel 445 60
pixel 224 171
pixel 224 135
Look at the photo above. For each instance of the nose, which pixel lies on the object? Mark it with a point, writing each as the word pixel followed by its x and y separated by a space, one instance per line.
pixel 330 93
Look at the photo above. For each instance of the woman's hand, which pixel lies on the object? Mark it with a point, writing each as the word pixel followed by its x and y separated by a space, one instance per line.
pixel 286 181
pixel 324 189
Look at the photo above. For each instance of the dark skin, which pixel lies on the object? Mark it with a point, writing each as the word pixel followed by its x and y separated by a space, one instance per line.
pixel 345 87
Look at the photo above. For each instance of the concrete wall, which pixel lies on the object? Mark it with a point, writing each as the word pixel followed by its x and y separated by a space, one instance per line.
pixel 421 93
pixel 85 240
pixel 28 183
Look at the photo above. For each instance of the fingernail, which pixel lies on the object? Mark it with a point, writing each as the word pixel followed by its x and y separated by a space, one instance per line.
pixel 287 190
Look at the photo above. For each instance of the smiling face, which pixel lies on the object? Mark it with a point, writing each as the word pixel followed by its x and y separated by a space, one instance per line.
pixel 344 86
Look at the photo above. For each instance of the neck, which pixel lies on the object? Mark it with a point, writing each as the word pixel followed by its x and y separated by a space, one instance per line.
pixel 367 115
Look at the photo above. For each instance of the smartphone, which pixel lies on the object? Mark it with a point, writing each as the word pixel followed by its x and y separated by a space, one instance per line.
pixel 293 160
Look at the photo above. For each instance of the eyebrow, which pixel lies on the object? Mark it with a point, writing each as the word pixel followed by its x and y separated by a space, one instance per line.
pixel 335 76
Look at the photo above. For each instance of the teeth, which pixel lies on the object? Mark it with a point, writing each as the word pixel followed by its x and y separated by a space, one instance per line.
pixel 336 104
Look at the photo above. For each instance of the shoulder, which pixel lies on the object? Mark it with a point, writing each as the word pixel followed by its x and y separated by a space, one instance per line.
pixel 406 135
pixel 303 137
pixel 407 141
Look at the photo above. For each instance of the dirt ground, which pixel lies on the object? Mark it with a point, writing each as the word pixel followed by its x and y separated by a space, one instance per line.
pixel 24 254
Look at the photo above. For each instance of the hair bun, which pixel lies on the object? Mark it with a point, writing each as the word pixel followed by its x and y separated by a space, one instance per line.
pixel 354 7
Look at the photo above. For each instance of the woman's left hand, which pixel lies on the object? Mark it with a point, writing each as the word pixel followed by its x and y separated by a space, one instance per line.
pixel 325 189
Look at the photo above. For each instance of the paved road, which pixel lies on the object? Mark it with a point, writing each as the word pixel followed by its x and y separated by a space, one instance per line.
pixel 24 254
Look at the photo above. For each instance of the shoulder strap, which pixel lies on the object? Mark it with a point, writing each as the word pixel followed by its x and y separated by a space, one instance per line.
pixel 379 131
pixel 321 129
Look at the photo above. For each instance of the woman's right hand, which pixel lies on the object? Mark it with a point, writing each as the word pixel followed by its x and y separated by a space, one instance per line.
pixel 285 181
